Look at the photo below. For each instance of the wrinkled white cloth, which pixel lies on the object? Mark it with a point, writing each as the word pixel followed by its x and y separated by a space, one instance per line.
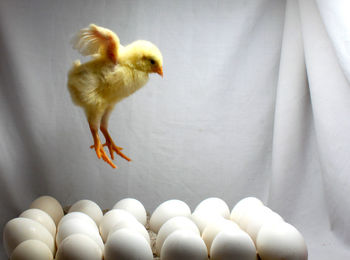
pixel 255 101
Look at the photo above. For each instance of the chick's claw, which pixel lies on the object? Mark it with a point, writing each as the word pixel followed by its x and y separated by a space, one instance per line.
pixel 118 147
pixel 113 148
pixel 105 144
pixel 100 152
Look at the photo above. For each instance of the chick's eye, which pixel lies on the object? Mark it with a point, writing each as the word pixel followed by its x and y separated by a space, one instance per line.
pixel 152 62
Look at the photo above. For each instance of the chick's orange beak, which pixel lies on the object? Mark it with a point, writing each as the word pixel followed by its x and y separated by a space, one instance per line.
pixel 159 70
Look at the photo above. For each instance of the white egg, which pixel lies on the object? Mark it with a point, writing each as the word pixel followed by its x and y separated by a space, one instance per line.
pixel 171 226
pixel 204 218
pixel 79 247
pixel 230 244
pixel 281 241
pixel 111 218
pixel 214 205
pixel 256 218
pixel 242 206
pixel 214 228
pixel 185 245
pixel 50 205
pixel 133 206
pixel 32 250
pixel 76 226
pixel 88 207
pixel 18 230
pixel 252 214
pixel 127 244
pixel 42 217
pixel 130 224
pixel 166 211
pixel 81 216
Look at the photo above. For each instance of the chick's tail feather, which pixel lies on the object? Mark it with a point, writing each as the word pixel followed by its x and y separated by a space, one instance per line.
pixel 97 40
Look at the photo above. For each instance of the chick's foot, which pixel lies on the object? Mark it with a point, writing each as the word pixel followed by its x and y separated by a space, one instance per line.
pixel 100 152
pixel 113 148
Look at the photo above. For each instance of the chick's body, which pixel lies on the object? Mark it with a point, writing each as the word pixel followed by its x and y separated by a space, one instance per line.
pixel 114 73
pixel 97 84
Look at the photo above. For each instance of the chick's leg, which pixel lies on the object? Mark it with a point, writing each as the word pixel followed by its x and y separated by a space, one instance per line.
pixel 100 152
pixel 94 116
pixel 112 147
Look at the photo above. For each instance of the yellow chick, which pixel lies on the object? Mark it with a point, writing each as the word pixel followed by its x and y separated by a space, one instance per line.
pixel 114 73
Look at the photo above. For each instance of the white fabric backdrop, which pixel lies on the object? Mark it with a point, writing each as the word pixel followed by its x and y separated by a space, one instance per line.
pixel 255 102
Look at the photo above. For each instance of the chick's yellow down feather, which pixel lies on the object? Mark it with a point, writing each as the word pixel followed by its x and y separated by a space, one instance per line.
pixel 113 73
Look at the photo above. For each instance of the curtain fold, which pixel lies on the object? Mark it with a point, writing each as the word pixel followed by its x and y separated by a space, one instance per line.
pixel 311 124
pixel 330 98
pixel 296 172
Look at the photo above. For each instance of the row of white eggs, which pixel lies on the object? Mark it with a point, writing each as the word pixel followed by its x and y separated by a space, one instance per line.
pixel 212 229
pixel 78 235
pixel 181 234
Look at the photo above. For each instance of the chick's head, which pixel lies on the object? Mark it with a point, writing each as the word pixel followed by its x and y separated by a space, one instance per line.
pixel 144 56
